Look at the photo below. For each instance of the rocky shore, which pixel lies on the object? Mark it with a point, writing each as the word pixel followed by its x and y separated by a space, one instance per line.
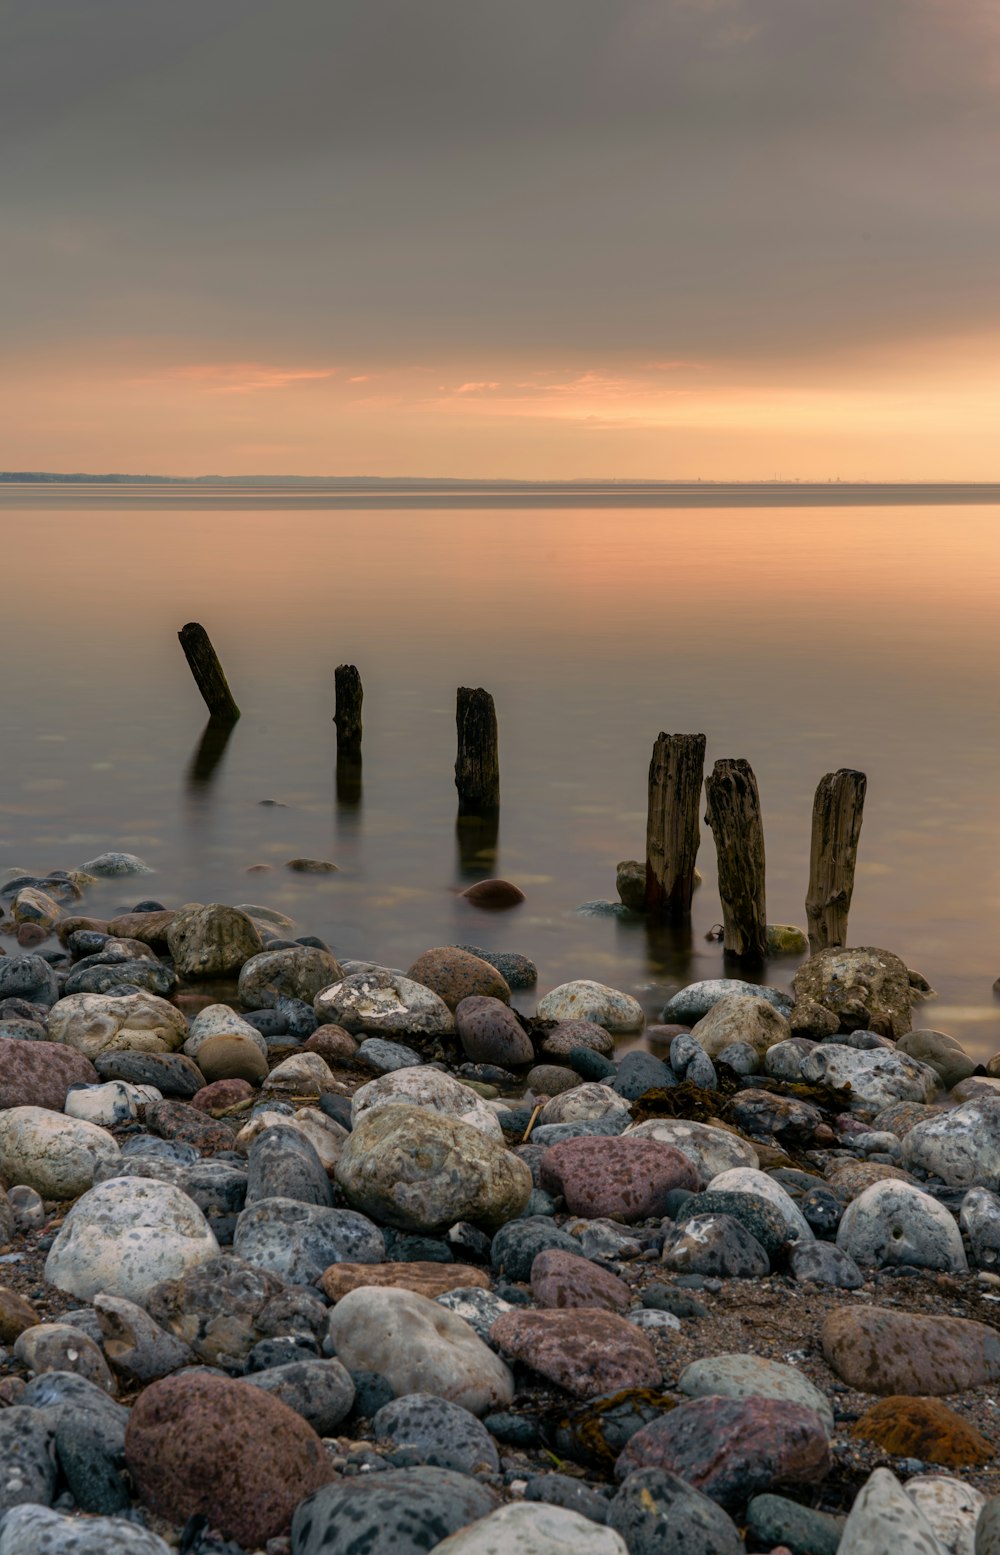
pixel 324 1257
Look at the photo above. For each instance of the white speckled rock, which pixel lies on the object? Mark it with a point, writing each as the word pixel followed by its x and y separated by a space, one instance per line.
pixel 55 1155
pixel 741 1018
pixel 583 1104
pixel 751 1376
pixel 884 1519
pixel 951 1507
pixel 220 1020
pixel 96 1023
pixel 384 1004
pixel 304 1073
pixel 877 1076
pixel 894 1222
pixel 324 1134
pixel 979 1220
pixel 617 1012
pixel 426 1087
pixel 116 1101
pixel 744 1179
pixel 125 1236
pixel 712 1150
pixel 35 1530
pixel 961 1147
pixel 534 1528
pixel 419 1347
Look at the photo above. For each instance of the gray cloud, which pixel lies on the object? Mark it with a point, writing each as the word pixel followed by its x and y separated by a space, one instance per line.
pixel 387 178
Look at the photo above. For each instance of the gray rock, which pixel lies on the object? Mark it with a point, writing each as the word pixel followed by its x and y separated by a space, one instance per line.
pixel 212 941
pixel 689 1061
pixel 739 1056
pixel 639 1072
pixel 533 1528
pixel 299 1241
pixel 111 866
pixel 56 1155
pixel 171 1073
pixel 944 1055
pixel 884 1518
pixel 61 1347
pixel 784 1060
pixel 321 1391
pixel 137 1347
pixel 426 1087
pixel 383 1004
pixel 741 1018
pixel 399 1512
pixel 743 1179
pixel 712 1150
pixel 950 1506
pixel 988 1528
pixel 387 1057
pixel 962 1147
pixel 35 1530
pixel 490 1033
pixel 979 1219
pixel 479 1308
pixel 106 978
pixel 516 970
pixel 570 1494
pixel 126 1235
pixel 282 1164
pixel 894 1222
pixel 657 1513
pixel 751 1376
pixel 443 1434
pixel 695 1001
pixel 28 977
pixel 91 1472
pixel 877 1076
pixel 554 1133
pixel 583 999
pixel 773 1520
pixel 27 1461
pixel 299 973
pixel 517 1244
pixel 715 1245
pixel 60 1394
pixel 824 1264
pixel 864 987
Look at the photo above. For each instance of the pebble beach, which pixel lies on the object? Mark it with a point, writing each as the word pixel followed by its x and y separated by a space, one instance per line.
pixel 315 1256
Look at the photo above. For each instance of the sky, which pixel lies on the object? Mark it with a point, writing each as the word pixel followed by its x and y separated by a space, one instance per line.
pixel 539 239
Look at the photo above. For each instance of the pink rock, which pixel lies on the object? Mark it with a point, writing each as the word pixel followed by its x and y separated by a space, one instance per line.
pixel 221 1094
pixel 584 1351
pixel 38 1074
pixel 560 1279
pixel 731 1448
pixel 616 1178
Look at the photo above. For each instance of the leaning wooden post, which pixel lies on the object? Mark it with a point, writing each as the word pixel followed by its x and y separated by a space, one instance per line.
pixel 836 826
pixel 208 673
pixel 676 770
pixel 734 816
pixel 477 768
pixel 347 715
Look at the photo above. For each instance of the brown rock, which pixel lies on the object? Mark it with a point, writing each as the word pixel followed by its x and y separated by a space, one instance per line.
pixel 561 1279
pixel 67 926
pixel 551 1079
pixel 11 1389
pixel 490 1032
pixel 586 1352
pixel 38 1074
pixel 222 1094
pixel 311 866
pixel 333 1043
pixel 178 1120
pixel 29 934
pixel 565 1035
pixel 151 927
pixel 855 1176
pixel 230 1056
pixel 616 1178
pixel 494 894
pixel 212 941
pixel 455 975
pixel 223 1449
pixel 923 1428
pixel 865 987
pixel 425 1279
pixel 16 1315
pixel 880 1351
pixel 732 1449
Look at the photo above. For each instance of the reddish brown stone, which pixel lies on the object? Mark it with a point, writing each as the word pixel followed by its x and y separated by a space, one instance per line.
pixel 150 927
pixel 560 1279
pixel 426 1279
pixel 586 1352
pixel 233 1453
pixel 222 1094
pixel 616 1178
pixel 67 926
pixel 455 975
pixel 16 1315
pixel 29 934
pixel 493 893
pixel 565 1035
pixel 38 1074
pixel 923 1428
pixel 731 1448
pixel 178 1120
pixel 333 1043
pixel 880 1351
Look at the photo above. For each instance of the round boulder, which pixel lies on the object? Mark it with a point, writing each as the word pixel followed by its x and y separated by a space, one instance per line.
pixel 455 975
pixel 125 1236
pixel 617 1012
pixel 55 1155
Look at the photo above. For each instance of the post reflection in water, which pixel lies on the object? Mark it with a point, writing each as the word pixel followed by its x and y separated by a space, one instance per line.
pixel 478 838
pixel 207 756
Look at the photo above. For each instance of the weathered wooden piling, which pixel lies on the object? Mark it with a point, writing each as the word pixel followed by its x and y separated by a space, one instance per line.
pixel 734 816
pixel 676 770
pixel 477 767
pixel 838 810
pixel 203 662
pixel 347 713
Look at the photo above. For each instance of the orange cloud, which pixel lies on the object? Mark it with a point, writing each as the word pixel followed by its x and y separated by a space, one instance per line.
pixel 245 377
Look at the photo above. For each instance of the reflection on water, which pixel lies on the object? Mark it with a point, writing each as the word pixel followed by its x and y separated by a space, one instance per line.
pixel 804 639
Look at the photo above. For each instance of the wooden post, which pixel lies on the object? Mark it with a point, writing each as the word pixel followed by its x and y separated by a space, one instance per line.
pixel 477 769
pixel 734 816
pixel 836 826
pixel 676 770
pixel 203 662
pixel 347 716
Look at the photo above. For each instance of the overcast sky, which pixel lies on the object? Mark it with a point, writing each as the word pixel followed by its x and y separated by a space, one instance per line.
pixel 501 237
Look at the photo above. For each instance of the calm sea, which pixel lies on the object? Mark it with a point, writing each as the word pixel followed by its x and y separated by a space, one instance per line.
pixel 802 629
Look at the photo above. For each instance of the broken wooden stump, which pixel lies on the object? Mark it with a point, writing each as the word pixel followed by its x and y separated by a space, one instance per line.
pixel 676 770
pixel 838 810
pixel 477 767
pixel 210 679
pixel 734 817
pixel 347 713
